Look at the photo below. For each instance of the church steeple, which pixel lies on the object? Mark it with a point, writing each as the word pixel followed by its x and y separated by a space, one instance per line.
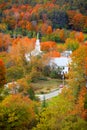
pixel 37 45
pixel 37 49
pixel 37 35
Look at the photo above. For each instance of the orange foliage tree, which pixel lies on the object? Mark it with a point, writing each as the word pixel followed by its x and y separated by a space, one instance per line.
pixel 53 54
pixel 80 103
pixel 25 25
pixel 44 28
pixel 79 36
pixel 49 30
pixel 76 20
pixel 5 40
pixel 62 35
pixel 20 47
pixel 23 43
pixel 78 70
pixel 47 46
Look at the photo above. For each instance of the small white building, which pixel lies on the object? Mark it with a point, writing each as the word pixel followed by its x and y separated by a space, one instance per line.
pixel 66 53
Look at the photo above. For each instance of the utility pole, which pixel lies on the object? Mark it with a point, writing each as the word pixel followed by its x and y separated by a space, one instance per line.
pixel 44 102
pixel 63 78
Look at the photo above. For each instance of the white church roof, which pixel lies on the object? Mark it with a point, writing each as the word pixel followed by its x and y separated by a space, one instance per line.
pixel 60 61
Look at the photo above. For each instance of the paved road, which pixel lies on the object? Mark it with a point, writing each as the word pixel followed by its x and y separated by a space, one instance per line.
pixel 49 95
pixel 42 96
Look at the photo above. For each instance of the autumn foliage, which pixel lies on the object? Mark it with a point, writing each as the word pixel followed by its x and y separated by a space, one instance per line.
pixel 5 41
pixel 47 46
pixel 72 44
pixel 2 73
pixel 79 36
pixel 77 20
pixel 20 47
pixel 16 112
pixel 79 105
pixel 53 54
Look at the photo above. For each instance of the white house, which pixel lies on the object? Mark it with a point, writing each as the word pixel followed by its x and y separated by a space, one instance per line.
pixel 61 62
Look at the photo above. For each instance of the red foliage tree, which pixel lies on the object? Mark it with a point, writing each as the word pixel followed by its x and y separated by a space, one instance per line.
pixel 76 20
pixel 2 73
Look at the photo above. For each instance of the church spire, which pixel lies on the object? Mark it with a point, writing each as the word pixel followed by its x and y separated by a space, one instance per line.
pixel 37 35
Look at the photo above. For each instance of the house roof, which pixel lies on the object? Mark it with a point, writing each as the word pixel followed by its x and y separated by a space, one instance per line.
pixel 60 61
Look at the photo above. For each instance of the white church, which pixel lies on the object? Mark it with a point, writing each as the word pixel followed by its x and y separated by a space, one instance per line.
pixel 36 51
pixel 63 61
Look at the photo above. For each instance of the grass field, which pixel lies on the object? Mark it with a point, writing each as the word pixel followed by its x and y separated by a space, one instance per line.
pixel 85 36
pixel 45 86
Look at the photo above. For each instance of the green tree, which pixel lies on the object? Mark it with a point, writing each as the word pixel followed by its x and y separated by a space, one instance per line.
pixel 17 113
pixel 59 114
pixel 72 44
pixel 73 122
pixel 58 108
pixel 14 73
pixel 58 17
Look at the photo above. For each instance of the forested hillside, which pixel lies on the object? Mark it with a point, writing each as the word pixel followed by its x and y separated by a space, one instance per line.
pixel 33 16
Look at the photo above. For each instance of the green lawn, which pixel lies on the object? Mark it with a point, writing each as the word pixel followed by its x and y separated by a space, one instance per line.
pixel 45 86
pixel 85 36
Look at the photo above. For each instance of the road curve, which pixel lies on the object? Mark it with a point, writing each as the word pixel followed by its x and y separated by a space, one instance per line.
pixel 49 95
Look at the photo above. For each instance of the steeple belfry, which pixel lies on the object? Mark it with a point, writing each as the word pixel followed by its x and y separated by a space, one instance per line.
pixel 37 35
pixel 37 44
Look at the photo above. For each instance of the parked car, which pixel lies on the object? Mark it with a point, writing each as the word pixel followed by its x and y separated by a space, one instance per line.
pixel 61 86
